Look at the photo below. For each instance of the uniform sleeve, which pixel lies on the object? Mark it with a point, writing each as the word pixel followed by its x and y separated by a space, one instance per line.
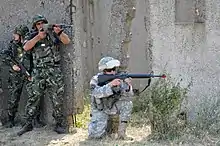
pixel 7 58
pixel 100 91
pixel 29 36
pixel 27 60
pixel 57 41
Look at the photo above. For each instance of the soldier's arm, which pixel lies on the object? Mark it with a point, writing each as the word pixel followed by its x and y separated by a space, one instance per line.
pixel 100 92
pixel 7 59
pixel 31 43
pixel 64 38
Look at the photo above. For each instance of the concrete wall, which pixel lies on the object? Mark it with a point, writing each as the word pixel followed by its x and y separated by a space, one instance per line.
pixel 187 51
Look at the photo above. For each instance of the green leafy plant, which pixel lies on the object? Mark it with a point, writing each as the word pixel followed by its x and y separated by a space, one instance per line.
pixel 207 120
pixel 162 104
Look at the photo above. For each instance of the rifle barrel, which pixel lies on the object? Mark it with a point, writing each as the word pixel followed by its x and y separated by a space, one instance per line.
pixel 145 75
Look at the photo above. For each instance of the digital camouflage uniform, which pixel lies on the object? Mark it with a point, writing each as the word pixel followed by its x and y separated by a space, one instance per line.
pixel 16 79
pixel 104 103
pixel 46 77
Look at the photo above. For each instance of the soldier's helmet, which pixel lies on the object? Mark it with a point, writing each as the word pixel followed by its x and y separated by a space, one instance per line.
pixel 38 18
pixel 21 30
pixel 108 63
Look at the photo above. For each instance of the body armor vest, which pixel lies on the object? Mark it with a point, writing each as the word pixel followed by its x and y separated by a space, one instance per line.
pixel 108 102
pixel 46 53
pixel 17 51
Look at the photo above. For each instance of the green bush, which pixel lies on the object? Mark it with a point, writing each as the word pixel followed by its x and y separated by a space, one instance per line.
pixel 162 104
pixel 207 120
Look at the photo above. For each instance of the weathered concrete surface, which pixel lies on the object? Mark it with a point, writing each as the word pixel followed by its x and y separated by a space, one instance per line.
pixel 76 58
pixel 110 30
pixel 140 50
pixel 187 51
pixel 15 12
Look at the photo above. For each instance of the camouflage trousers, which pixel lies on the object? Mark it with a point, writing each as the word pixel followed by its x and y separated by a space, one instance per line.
pixel 46 80
pixel 99 121
pixel 16 82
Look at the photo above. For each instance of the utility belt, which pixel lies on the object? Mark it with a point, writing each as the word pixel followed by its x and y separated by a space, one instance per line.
pixel 106 103
pixel 46 62
pixel 46 54
pixel 48 65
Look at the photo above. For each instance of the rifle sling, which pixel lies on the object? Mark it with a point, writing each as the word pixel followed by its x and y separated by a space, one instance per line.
pixel 149 81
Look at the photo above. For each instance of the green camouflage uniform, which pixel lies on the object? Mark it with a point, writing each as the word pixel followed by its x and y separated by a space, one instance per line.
pixel 46 76
pixel 16 79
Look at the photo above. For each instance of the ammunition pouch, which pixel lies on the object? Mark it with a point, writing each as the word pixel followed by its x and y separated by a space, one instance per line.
pixel 99 104
pixel 47 55
pixel 56 54
pixel 42 52
pixel 106 103
pixel 111 101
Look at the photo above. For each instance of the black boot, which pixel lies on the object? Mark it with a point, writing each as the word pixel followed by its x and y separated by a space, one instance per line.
pixel 38 123
pixel 11 122
pixel 27 127
pixel 61 129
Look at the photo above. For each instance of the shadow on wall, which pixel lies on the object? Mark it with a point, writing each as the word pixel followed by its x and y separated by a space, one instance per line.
pixel 3 84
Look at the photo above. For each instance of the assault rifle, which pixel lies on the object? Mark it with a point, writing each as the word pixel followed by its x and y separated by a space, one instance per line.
pixel 105 78
pixel 23 70
pixel 49 27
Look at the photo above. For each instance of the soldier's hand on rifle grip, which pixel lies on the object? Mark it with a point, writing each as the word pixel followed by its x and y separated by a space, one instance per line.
pixel 128 81
pixel 16 68
pixel 57 29
pixel 29 78
pixel 41 34
pixel 115 82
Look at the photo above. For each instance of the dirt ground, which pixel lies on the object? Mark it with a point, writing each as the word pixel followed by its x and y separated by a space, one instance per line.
pixel 46 136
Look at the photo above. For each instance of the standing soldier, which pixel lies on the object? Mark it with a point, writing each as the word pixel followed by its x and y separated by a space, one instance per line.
pixel 16 78
pixel 47 73
pixel 111 99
